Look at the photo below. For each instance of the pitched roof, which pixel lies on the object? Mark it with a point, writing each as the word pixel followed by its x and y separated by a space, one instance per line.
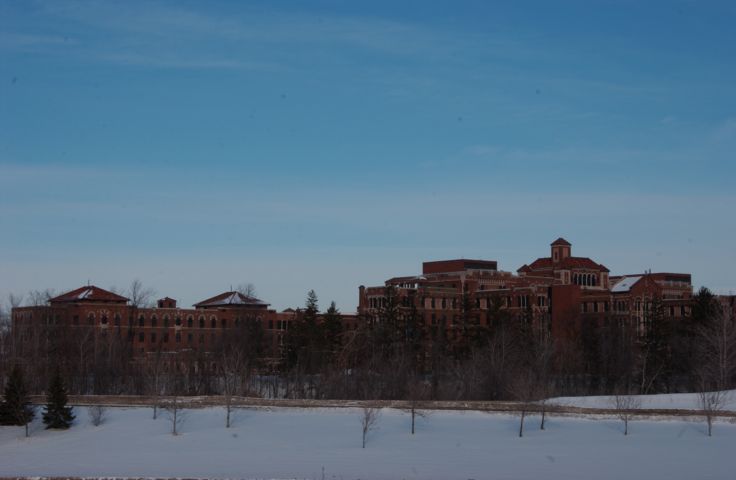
pixel 231 299
pixel 89 293
pixel 625 284
pixel 546 263
pixel 561 241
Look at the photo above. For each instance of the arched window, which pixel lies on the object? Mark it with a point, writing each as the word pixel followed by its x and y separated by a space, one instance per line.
pixel 141 321
pixel 178 321
pixel 213 322
pixel 201 322
pixel 103 319
pixel 190 320
pixel 117 319
pixel 223 323
pixel 91 319
pixel 166 320
pixel 154 321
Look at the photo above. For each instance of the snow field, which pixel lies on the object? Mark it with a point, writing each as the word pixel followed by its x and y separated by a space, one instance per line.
pixel 299 443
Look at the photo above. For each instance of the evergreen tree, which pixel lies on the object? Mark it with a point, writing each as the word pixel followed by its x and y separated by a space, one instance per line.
pixel 56 413
pixel 331 330
pixel 302 342
pixel 16 408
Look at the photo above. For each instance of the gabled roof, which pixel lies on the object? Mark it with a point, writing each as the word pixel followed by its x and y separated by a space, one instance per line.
pixel 89 293
pixel 546 263
pixel 231 299
pixel 561 241
pixel 625 284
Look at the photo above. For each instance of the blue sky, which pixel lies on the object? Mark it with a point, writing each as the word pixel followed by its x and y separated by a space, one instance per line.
pixel 298 145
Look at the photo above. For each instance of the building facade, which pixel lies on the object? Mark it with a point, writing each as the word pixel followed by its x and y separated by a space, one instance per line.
pixel 166 328
pixel 558 292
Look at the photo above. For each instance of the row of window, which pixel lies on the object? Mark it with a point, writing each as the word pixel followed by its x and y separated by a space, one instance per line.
pixel 585 279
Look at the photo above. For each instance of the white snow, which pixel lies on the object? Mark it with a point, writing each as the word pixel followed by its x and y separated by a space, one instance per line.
pixel 84 293
pixel 299 443
pixel 674 401
pixel 625 284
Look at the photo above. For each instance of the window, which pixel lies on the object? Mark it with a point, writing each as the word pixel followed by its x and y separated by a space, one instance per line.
pixel 153 337
pixel 166 320
pixel 154 320
pixel 90 319
pixel 141 321
pixel 190 321
pixel 189 338
pixel 213 322
pixel 166 337
pixel 223 323
pixel 141 337
pixel 117 319
pixel 201 322
pixel 270 324
pixel 201 338
pixel 178 337
pixel 103 319
pixel 177 322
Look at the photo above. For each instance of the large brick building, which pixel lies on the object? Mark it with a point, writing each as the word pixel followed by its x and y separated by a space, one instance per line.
pixel 559 291
pixel 166 327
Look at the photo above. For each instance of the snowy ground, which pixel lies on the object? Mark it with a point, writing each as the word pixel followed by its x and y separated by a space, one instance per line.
pixel 677 401
pixel 299 443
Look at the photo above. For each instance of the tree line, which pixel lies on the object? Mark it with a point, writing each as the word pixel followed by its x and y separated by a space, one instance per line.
pixel 396 355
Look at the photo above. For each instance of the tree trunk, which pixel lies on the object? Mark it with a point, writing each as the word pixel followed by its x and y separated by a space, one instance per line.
pixel 521 423
pixel 544 413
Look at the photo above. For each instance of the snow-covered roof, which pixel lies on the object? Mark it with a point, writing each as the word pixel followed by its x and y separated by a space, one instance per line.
pixel 89 293
pixel 625 284
pixel 231 299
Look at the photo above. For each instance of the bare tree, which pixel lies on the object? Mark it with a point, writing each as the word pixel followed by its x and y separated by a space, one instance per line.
pixel 711 403
pixel 545 386
pixel 523 389
pixel 235 373
pixel 625 405
pixel 139 295
pixel 247 289
pixel 155 375
pixel 38 298
pixel 369 420
pixel 417 392
pixel 97 414
pixel 175 414
pixel 716 364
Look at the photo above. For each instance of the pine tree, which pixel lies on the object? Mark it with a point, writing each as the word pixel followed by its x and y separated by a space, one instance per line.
pixel 56 413
pixel 331 329
pixel 16 408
